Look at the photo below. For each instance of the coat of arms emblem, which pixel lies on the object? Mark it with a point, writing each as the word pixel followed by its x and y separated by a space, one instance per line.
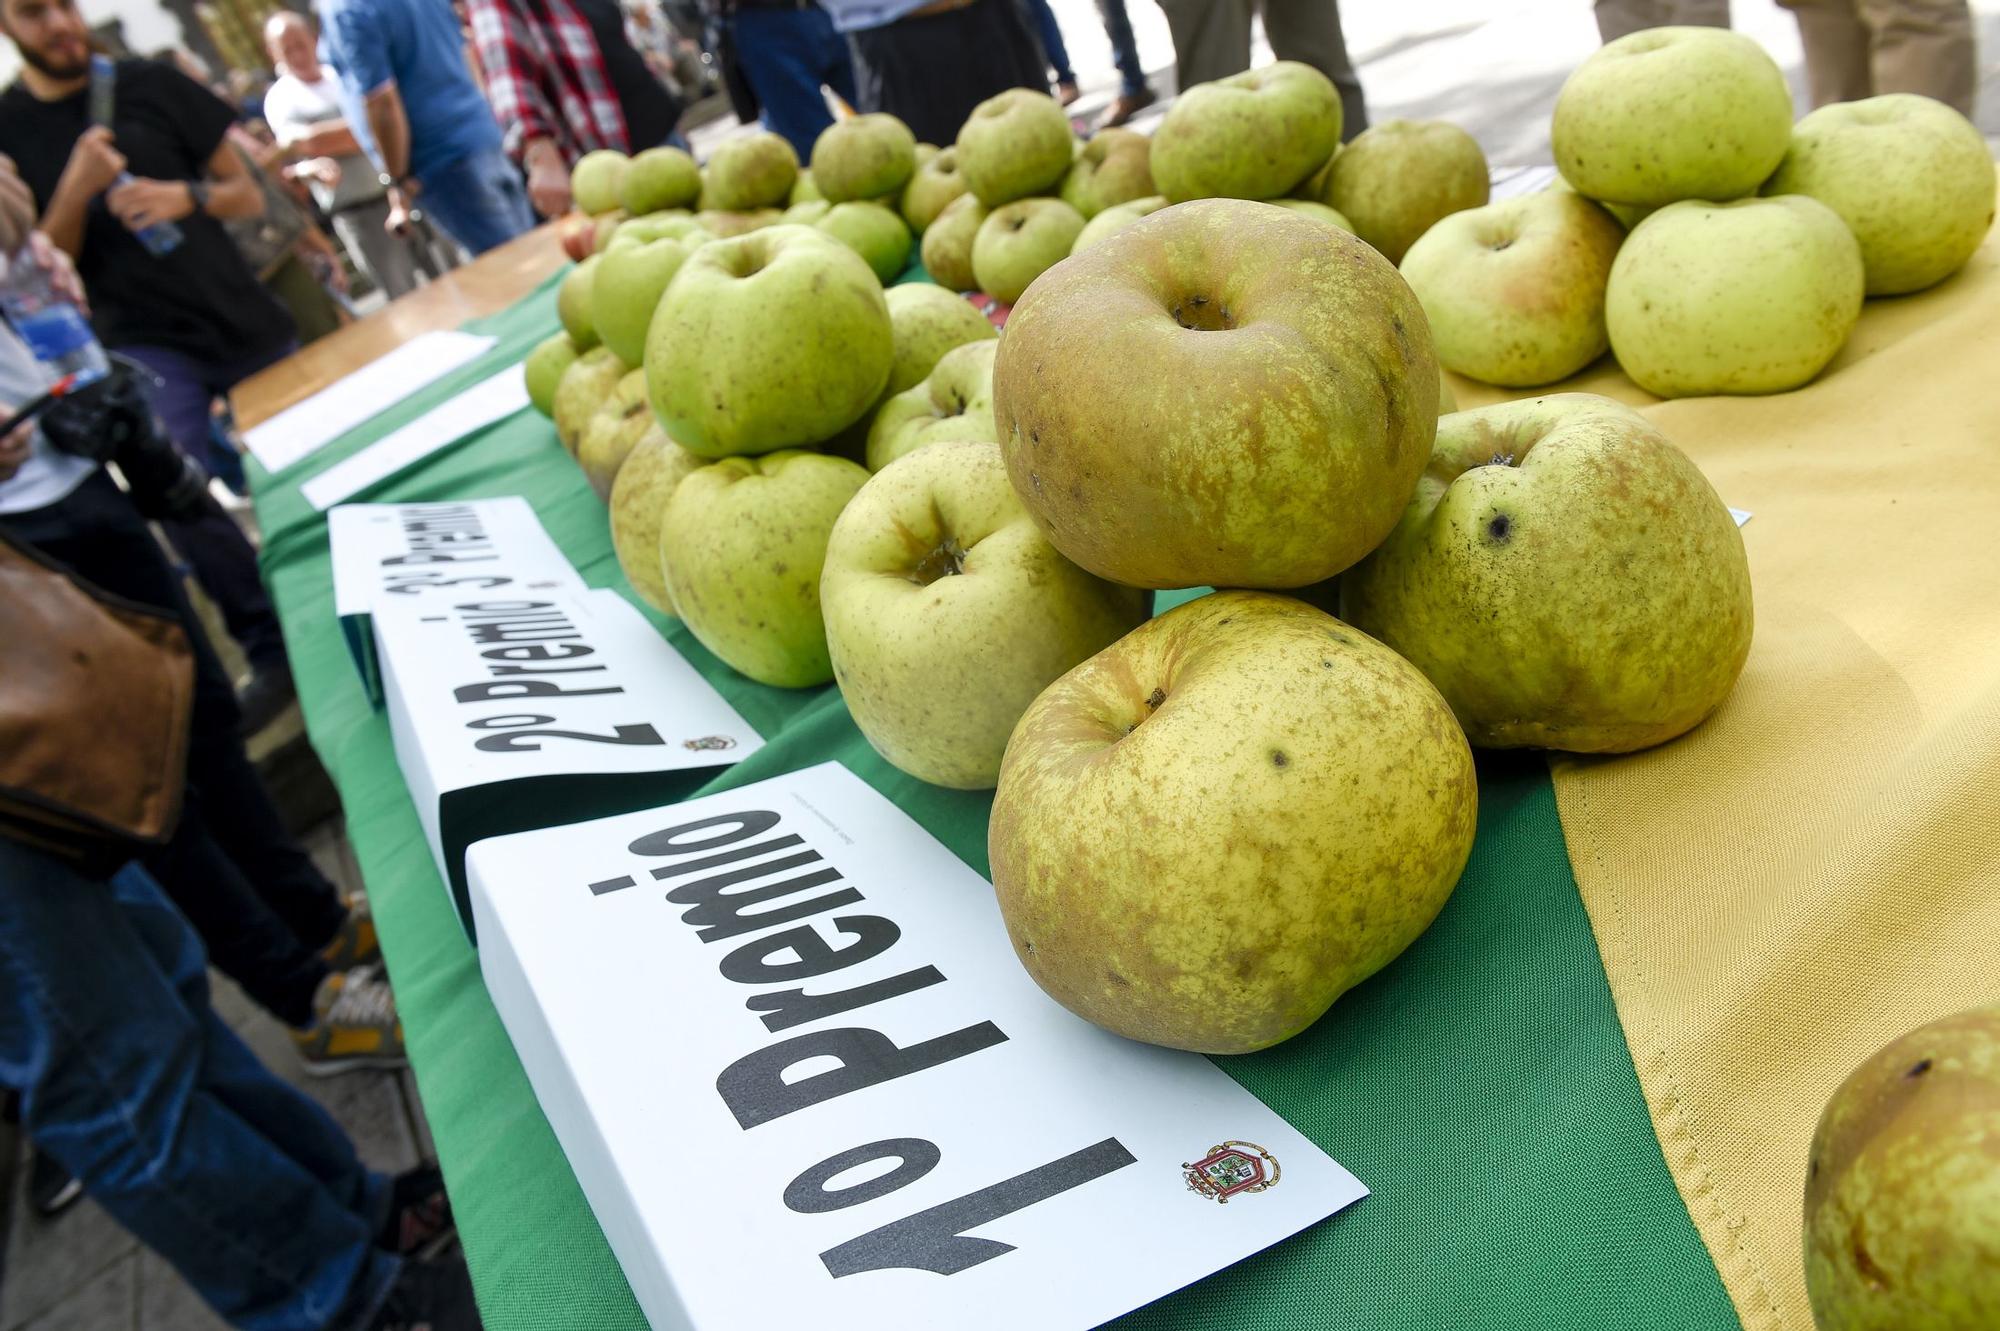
pixel 1231 1168
pixel 708 742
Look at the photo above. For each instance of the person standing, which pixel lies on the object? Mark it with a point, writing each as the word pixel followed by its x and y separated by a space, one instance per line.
pixel 1212 41
pixel 930 64
pixel 303 109
pixel 563 79
pixel 776 54
pixel 1049 32
pixel 196 315
pixel 405 61
pixel 1621 18
pixel 1134 93
pixel 1856 49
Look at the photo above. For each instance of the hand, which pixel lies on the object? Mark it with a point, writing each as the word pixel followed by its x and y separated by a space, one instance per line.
pixel 93 163
pixel 398 221
pixel 143 203
pixel 548 179
pixel 60 268
pixel 14 449
pixel 326 170
pixel 17 206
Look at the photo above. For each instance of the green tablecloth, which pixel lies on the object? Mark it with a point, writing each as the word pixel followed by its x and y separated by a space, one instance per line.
pixel 1480 1085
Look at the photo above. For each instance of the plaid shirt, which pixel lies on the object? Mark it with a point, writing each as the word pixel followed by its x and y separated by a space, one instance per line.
pixel 544 76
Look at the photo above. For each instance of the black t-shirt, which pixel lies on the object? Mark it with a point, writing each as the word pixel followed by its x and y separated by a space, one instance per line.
pixel 650 112
pixel 201 299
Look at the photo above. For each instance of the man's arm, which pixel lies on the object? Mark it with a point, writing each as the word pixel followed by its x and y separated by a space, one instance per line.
pixel 93 164
pixel 232 192
pixel 391 128
pixel 327 138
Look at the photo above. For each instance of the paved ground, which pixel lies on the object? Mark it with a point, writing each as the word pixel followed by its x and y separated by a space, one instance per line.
pixel 1493 68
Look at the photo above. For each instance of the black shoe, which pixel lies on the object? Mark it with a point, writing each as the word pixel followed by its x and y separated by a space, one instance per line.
pixel 429 1296
pixel 51 1188
pixel 265 698
pixel 419 1223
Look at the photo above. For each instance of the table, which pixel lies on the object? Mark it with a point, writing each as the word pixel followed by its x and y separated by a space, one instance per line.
pixel 1482 1085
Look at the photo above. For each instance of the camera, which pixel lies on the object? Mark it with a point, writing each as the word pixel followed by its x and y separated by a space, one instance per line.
pixel 109 420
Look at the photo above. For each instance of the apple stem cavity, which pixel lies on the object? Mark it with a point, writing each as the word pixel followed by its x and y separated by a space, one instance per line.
pixel 945 559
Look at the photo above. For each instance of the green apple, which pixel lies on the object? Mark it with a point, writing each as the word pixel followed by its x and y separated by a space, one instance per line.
pixel 631 277
pixel 1253 135
pixel 954 402
pixel 610 435
pixel 1565 576
pixel 947 247
pixel 874 232
pixel 584 387
pixel 1114 167
pixel 1208 832
pixel 925 152
pixel 928 321
pixel 749 172
pixel 639 497
pixel 667 223
pixel 1672 113
pixel 863 157
pixel 1020 241
pixel 1116 218
pixel 574 297
pixel 1014 144
pixel 1319 212
pixel 803 189
pixel 604 228
pixel 1911 177
pixel 1447 400
pixel 597 180
pixel 807 213
pixel 1750 296
pixel 1396 179
pixel 743 542
pixel 935 184
pixel 936 575
pixel 1514 291
pixel 1902 1205
pixel 658 178
pixel 545 366
pixel 1224 394
pixel 767 341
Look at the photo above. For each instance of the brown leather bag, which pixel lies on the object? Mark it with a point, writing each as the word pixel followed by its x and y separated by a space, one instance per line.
pixel 96 693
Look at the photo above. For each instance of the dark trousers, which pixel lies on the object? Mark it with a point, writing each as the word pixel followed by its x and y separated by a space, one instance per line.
pixel 785 54
pixel 248 888
pixel 930 72
pixel 1124 47
pixel 1049 32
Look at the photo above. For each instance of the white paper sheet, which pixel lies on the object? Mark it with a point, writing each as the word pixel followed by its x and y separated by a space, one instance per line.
pixel 306 427
pixel 481 405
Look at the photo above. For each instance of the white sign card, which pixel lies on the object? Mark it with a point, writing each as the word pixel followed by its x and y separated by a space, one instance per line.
pixel 399 552
pixel 804 1081
pixel 485 403
pixel 304 428
pixel 512 711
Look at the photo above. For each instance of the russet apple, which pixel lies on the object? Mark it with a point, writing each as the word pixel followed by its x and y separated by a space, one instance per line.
pixel 1020 241
pixel 947 247
pixel 863 157
pixel 1397 178
pixel 646 483
pixel 954 402
pixel 1252 135
pixel 1014 144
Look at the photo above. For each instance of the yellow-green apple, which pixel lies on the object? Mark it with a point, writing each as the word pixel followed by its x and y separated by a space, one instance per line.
pixel 863 157
pixel 935 575
pixel 806 213
pixel 743 543
pixel 1447 400
pixel 610 435
pixel 1749 296
pixel 750 172
pixel 544 370
pixel 927 321
pixel 954 402
pixel 1672 113
pixel 1116 218
pixel 1912 178
pixel 947 247
pixel 803 189
pixel 1208 832
pixel 597 180
pixel 603 227
pixel 925 152
pixel 1514 291
pixel 574 295
pixel 631 277
pixel 1014 144
pixel 585 386
pixel 1252 135
pixel 1565 576
pixel 663 177
pixel 1902 1206
pixel 723 224
pixel 1114 167
pixel 767 341
pixel 1020 241
pixel 1285 408
pixel 1319 212
pixel 639 497
pixel 935 184
pixel 874 232
pixel 1399 177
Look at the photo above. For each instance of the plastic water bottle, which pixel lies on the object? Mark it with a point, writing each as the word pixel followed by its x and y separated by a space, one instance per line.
pixel 161 237
pixel 52 326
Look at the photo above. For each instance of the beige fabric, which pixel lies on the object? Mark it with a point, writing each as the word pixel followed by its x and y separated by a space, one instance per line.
pixel 1620 18
pixel 1817 868
pixel 1857 49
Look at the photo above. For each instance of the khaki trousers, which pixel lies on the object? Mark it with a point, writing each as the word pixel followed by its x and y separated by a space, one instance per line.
pixel 1212 41
pixel 1621 18
pixel 1862 48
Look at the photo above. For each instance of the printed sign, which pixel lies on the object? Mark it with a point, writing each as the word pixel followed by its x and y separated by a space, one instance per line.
pixel 383 553
pixel 804 1081
pixel 518 711
pixel 485 403
pixel 303 428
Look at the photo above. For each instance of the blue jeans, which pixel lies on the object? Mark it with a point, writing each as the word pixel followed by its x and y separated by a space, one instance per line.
pixel 130 1081
pixel 1050 33
pixel 785 54
pixel 1124 47
pixel 478 199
